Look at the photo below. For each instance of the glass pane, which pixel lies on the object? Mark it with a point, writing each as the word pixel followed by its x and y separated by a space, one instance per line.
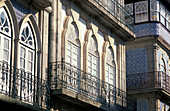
pixel 68 53
pixel 141 11
pixel 6 43
pixel 89 61
pixel 94 60
pixel 22 63
pixel 30 56
pixel 107 79
pixel 29 66
pixel 111 70
pixel 3 18
pixel 89 69
pixel 75 62
pixel 89 58
pixel 69 46
pixel 162 20
pixel 6 55
pixel 111 76
pixel 162 10
pixel 94 73
pixel 155 16
pixel 162 66
pixel 22 53
pixel 68 59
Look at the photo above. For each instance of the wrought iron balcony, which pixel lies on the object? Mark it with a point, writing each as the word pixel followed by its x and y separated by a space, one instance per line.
pixel 118 11
pixel 148 80
pixel 24 86
pixel 65 76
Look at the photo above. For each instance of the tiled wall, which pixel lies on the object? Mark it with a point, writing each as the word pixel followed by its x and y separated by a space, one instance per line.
pixel 152 29
pixel 21 10
pixel 136 61
pixel 142 105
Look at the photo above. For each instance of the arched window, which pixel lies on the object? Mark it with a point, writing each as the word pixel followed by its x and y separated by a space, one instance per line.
pixel 110 67
pixel 162 66
pixel 110 75
pixel 5 36
pixel 27 55
pixel 93 67
pixel 5 50
pixel 73 45
pixel 27 49
pixel 93 59
pixel 73 55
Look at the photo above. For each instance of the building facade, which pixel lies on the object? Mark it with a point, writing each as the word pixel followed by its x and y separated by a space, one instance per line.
pixel 24 54
pixel 64 55
pixel 148 56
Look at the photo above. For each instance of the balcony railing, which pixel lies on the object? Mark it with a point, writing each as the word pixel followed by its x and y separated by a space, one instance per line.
pixel 24 86
pixel 79 82
pixel 147 80
pixel 118 11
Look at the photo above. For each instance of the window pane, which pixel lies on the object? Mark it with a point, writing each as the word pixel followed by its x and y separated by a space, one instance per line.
pixel 94 60
pixel 111 76
pixel 22 53
pixel 162 12
pixel 94 73
pixel 141 11
pixel 75 62
pixel 30 56
pixel 89 69
pixel 68 59
pixel 6 43
pixel 162 20
pixel 22 63
pixel 29 66
pixel 107 78
pixel 89 58
pixel 69 53
pixel 162 66
pixel 69 46
pixel 111 70
pixel 154 16
pixel 5 55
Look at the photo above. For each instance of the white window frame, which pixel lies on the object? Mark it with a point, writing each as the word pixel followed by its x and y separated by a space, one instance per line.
pixel 154 10
pixel 139 13
pixel 162 14
pixel 2 48
pixel 109 73
pixel 93 78
pixel 72 52
pixel 26 69
pixel 92 65
pixel 5 35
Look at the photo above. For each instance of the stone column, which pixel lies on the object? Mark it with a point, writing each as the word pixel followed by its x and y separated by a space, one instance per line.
pixel 53 36
pixel 155 59
pixel 52 52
